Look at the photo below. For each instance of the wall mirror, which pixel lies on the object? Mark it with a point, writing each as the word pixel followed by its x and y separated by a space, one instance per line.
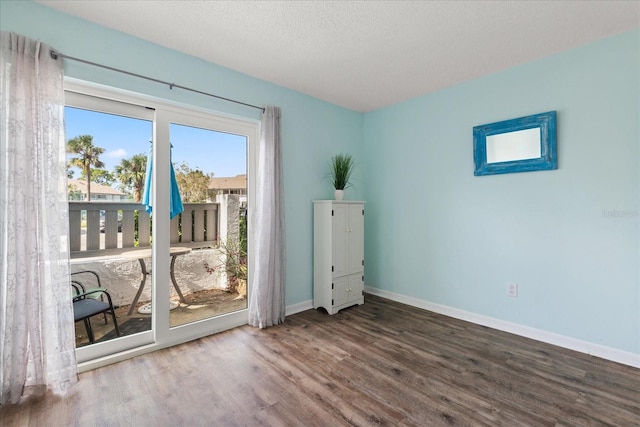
pixel 517 145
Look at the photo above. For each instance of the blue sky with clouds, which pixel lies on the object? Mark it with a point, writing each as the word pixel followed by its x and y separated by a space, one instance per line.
pixel 122 137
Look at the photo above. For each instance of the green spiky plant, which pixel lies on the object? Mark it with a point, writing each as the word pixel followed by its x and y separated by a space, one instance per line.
pixel 342 166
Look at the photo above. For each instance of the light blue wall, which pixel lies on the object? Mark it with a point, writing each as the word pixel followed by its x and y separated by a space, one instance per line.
pixel 312 130
pixel 570 237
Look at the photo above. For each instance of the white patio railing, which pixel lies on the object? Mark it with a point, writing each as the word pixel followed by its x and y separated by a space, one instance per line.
pixel 108 226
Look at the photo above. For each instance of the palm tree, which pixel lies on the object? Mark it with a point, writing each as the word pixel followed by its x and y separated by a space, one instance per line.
pixel 89 155
pixel 131 173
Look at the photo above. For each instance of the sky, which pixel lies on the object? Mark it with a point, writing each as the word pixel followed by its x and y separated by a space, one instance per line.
pixel 214 152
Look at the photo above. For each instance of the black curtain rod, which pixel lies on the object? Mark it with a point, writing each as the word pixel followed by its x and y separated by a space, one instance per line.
pixel 56 55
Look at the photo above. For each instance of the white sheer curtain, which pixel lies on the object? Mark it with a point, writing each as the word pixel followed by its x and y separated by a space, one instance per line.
pixel 37 344
pixel 267 304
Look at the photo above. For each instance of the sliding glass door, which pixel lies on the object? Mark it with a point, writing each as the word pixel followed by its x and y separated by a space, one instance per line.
pixel 106 146
pixel 163 218
pixel 208 243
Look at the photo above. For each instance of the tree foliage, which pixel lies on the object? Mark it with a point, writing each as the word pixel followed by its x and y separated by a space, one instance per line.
pixel 131 174
pixel 102 177
pixel 88 156
pixel 193 183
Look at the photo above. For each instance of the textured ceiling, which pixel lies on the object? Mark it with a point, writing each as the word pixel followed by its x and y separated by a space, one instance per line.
pixel 363 55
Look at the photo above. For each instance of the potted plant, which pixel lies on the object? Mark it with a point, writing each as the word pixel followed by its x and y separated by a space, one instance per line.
pixel 341 168
pixel 233 261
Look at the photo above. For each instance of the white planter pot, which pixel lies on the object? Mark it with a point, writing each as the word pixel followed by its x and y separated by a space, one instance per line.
pixel 339 194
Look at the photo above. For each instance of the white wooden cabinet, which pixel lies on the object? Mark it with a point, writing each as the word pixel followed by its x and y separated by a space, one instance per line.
pixel 338 254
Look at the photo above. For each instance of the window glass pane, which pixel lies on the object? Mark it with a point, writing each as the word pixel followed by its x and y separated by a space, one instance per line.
pixel 208 240
pixel 107 219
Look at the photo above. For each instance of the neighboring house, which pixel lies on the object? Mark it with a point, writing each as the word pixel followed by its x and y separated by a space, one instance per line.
pixel 229 185
pixel 78 191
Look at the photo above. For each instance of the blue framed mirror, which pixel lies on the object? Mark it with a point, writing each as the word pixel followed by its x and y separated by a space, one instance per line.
pixel 518 145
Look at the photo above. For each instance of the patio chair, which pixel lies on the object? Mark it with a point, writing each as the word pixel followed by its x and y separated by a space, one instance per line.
pixel 89 302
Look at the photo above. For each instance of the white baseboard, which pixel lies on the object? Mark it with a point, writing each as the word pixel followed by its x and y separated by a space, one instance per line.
pixel 297 308
pixel 604 352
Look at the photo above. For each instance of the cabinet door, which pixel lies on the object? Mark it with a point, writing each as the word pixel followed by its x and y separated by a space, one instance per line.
pixel 340 242
pixel 355 287
pixel 340 293
pixel 346 289
pixel 355 236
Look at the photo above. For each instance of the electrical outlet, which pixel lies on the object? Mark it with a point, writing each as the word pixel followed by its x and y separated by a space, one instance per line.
pixel 512 290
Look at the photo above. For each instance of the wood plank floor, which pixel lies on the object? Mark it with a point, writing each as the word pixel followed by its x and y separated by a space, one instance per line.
pixel 381 363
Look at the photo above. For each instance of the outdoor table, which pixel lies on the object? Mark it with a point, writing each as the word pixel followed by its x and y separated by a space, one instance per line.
pixel 141 255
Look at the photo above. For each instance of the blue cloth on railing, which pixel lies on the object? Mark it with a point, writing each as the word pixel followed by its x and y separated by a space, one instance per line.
pixel 175 200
